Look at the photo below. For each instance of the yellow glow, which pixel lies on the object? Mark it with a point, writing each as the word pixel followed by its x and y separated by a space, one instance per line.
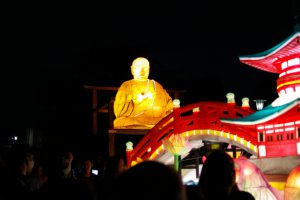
pixel 297 182
pixel 245 143
pixel 196 109
pixel 141 103
pixel 176 144
pixel 293 179
pixel 288 83
pixel 187 134
pixel 157 152
pixel 278 185
pixel 215 146
pixel 138 160
pixel 238 153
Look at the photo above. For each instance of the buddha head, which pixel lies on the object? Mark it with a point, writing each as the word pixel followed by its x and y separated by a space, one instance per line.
pixel 140 69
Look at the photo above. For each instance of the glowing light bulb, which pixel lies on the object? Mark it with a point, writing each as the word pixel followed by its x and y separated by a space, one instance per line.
pixel 247 171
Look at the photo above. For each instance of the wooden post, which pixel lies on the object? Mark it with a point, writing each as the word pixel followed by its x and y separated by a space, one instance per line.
pixel 233 151
pixel 95 111
pixel 111 142
pixel 197 167
pixel 111 112
pixel 95 107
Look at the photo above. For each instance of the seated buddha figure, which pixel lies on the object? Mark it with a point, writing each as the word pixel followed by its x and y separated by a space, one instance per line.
pixel 140 103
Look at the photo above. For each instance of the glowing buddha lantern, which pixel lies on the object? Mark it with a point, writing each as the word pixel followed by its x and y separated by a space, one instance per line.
pixel 140 102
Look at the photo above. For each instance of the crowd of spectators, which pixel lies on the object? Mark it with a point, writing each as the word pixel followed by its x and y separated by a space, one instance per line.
pixel 28 174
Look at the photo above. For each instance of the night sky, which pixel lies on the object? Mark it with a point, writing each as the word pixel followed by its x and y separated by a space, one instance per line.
pixel 51 50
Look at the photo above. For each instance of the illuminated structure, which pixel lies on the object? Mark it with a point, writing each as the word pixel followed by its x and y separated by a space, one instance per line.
pixel 251 179
pixel 283 59
pixel 271 134
pixel 278 124
pixel 196 122
pixel 273 131
pixel 140 103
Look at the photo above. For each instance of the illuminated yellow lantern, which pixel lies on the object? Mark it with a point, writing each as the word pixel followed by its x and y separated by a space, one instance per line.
pixel 292 187
pixel 140 102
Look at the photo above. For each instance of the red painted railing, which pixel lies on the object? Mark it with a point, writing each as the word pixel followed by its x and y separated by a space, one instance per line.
pixel 184 119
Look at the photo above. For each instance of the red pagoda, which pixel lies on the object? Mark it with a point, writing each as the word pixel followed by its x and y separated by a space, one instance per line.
pixel 278 124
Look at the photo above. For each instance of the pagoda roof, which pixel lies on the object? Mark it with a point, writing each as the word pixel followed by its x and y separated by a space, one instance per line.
pixel 265 115
pixel 266 60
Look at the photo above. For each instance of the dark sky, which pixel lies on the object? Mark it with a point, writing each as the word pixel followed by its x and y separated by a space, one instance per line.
pixel 52 49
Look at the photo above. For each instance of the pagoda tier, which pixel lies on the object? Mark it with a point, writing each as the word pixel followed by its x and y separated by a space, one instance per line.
pixel 272 59
pixel 283 59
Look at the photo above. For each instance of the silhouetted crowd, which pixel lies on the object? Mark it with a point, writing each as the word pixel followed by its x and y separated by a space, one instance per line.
pixel 25 174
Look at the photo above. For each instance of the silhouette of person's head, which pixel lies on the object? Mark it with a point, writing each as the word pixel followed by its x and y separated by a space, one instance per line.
pixel 149 180
pixel 217 177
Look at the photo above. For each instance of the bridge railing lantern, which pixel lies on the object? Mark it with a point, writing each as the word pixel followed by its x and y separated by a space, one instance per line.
pixel 230 98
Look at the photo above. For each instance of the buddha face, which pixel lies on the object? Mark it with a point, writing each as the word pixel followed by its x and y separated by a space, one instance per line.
pixel 140 69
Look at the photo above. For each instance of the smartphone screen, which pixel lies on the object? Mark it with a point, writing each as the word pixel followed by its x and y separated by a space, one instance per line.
pixel 95 171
